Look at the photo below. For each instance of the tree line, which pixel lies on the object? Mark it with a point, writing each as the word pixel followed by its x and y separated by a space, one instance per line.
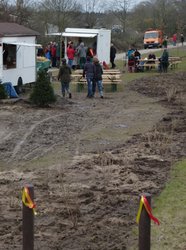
pixel 126 20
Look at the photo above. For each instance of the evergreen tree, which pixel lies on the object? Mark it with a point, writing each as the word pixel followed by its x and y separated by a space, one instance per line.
pixel 43 93
pixel 3 94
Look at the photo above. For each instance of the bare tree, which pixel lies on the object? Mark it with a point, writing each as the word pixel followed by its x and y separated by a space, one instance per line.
pixel 121 9
pixel 142 17
pixel 91 9
pixel 180 6
pixel 161 9
pixel 58 12
pixel 21 10
pixel 4 10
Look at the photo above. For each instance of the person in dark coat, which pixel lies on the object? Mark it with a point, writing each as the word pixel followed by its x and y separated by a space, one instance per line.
pixel 97 77
pixel 88 72
pixel 182 39
pixel 137 54
pixel 64 76
pixel 164 61
pixel 112 55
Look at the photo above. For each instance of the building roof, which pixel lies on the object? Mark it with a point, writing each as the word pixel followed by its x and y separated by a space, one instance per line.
pixel 14 29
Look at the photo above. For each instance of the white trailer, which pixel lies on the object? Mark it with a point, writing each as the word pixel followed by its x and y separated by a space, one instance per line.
pixel 102 38
pixel 17 54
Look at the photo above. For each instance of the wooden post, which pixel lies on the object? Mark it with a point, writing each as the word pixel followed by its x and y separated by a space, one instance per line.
pixel 28 223
pixel 144 226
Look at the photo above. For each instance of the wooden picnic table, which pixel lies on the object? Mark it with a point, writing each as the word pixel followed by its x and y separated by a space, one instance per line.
pixel 110 76
pixel 154 63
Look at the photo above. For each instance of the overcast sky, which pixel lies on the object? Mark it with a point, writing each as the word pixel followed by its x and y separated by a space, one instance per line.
pixel 132 3
pixel 135 2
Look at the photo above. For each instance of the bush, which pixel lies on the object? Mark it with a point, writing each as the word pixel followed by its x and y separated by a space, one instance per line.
pixel 3 94
pixel 43 93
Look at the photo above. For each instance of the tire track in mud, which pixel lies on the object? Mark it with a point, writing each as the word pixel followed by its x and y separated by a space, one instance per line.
pixel 18 147
pixel 34 151
pixel 76 136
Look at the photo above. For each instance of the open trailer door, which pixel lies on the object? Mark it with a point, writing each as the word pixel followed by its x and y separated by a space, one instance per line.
pixel 18 63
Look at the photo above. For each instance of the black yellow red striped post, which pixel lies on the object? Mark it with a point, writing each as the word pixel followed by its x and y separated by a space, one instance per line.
pixel 145 226
pixel 28 222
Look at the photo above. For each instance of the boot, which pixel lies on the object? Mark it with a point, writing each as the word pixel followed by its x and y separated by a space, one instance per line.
pixel 70 95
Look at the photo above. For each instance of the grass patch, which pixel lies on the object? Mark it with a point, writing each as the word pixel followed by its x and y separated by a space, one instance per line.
pixel 171 211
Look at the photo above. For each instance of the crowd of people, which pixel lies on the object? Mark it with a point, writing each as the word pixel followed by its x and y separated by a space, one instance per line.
pixel 84 57
pixel 78 57
pixel 76 53
pixel 136 64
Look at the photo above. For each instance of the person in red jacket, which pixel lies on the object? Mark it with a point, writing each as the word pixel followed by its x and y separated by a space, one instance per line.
pixel 70 54
pixel 53 54
pixel 174 39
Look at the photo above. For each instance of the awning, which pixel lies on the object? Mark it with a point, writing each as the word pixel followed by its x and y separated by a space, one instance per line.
pixel 24 44
pixel 73 34
pixel 68 34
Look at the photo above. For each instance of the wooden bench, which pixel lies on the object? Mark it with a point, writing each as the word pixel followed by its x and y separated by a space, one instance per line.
pixel 148 64
pixel 151 65
pixel 174 61
pixel 110 76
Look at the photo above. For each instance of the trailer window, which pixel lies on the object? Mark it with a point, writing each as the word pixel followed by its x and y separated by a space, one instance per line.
pixel 9 56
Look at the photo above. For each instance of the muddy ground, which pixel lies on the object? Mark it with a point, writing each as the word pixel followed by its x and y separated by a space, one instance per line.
pixel 89 159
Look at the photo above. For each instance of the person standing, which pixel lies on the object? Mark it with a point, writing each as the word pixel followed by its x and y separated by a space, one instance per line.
pixel 53 54
pixel 70 54
pixel 130 59
pixel 164 61
pixel 131 63
pixel 89 71
pixel 112 55
pixel 90 53
pixel 130 52
pixel 97 77
pixel 81 51
pixel 64 76
pixel 182 39
pixel 137 54
pixel 174 39
pixel 165 42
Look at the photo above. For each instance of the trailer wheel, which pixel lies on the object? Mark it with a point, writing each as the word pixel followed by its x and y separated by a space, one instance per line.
pixel 19 86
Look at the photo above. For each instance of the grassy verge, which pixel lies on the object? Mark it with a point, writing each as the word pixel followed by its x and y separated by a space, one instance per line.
pixel 171 211
pixel 178 52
